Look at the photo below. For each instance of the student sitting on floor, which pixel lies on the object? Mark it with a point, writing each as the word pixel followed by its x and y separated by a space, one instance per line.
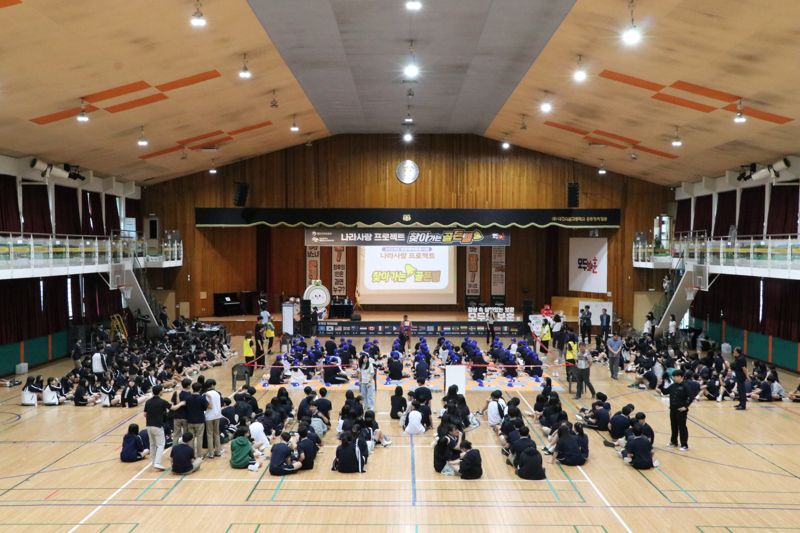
pixel 183 458
pixel 597 417
pixel 371 425
pixel 414 425
pixel 528 464
pixel 348 458
pixel 242 451
pixel 495 409
pixel 133 448
pixel 571 448
pixel 282 460
pixel 620 422
pixel 638 451
pixel 30 392
pixel 53 393
pixel 446 454
pixel 307 447
pixel 471 466
pixel 795 396
pixel 398 403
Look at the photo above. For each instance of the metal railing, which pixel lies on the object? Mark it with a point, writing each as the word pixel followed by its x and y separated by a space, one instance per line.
pixel 33 250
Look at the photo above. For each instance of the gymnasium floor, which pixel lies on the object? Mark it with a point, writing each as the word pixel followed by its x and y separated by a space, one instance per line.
pixel 59 472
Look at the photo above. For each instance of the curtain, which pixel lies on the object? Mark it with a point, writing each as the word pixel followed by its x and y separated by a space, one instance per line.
pixel 133 209
pixel 683 218
pixel 783 204
pixel 68 219
pixel 782 308
pixel 112 214
pixel 100 301
pixel 36 209
pixel 751 212
pixel 24 319
pixel 702 214
pixel 92 223
pixel 77 311
pixel 263 235
pixel 726 213
pixel 732 298
pixel 9 206
pixel 56 311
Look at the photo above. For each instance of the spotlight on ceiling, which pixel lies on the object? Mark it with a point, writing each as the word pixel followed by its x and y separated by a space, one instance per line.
pixel 198 20
pixel 505 145
pixel 546 106
pixel 74 172
pixel 142 139
pixel 408 134
pixel 309 142
pixel 631 36
pixel 770 171
pixel 213 169
pixel 244 72
pixel 411 70
pixel 294 128
pixel 677 142
pixel 413 5
pixel 740 118
pixel 602 170
pixel 83 116
pixel 580 73
pixel 633 155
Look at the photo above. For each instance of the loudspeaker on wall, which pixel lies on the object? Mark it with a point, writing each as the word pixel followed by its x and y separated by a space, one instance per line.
pixel 573 195
pixel 240 194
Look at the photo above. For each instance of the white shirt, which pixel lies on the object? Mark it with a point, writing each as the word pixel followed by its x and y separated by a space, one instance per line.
pixel 214 410
pixel 265 316
pixel 49 396
pixel 258 434
pixel 97 363
pixel 493 412
pixel 673 326
pixel 29 398
pixel 647 326
pixel 414 424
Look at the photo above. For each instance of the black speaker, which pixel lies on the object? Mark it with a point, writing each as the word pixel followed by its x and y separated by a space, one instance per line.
pixel 573 195
pixel 355 317
pixel 527 309
pixel 305 308
pixel 240 193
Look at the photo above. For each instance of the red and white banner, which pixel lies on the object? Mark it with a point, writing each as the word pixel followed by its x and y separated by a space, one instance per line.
pixel 339 271
pixel 473 271
pixel 588 265
pixel 498 271
pixel 312 264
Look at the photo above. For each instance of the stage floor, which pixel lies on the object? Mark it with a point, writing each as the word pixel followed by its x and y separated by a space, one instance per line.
pixel 366 316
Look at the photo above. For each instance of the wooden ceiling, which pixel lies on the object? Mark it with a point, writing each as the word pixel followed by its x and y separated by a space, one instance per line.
pixel 696 59
pixel 139 62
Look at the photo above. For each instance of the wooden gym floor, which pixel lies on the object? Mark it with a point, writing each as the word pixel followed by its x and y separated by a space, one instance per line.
pixel 60 472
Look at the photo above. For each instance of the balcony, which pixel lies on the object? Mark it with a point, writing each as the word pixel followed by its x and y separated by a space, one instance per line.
pixel 29 255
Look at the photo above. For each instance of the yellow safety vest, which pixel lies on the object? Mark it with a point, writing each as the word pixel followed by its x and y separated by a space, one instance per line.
pixel 247 348
pixel 572 350
pixel 546 333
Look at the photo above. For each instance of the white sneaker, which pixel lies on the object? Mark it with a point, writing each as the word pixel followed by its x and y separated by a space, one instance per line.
pixel 684 448
pixel 253 468
pixel 159 467
pixel 656 464
pixel 386 442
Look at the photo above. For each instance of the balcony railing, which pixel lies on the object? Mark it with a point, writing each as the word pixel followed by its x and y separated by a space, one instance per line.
pixel 31 250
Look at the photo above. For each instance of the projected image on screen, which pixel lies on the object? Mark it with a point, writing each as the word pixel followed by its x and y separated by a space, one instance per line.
pixel 406 275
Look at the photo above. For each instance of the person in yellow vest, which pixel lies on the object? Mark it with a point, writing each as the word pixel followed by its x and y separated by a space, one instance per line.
pixel 270 334
pixel 545 337
pixel 571 355
pixel 248 349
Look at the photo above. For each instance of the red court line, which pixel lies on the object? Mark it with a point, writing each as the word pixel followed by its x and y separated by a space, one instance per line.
pixel 51 494
pixel 214 133
pixel 250 128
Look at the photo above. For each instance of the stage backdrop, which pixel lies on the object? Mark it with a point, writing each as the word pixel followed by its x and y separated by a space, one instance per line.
pixel 588 265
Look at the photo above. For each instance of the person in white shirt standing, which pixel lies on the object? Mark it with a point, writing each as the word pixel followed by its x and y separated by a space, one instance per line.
pixel 99 365
pixel 213 415
pixel 367 381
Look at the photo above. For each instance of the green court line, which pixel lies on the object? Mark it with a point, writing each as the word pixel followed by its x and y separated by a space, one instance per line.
pixel 156 480
pixel 275 494
pixel 107 525
pixel 677 485
pixel 771 528
pixel 178 482
pixel 654 486
pixel 264 471
pixel 553 490
pixel 572 483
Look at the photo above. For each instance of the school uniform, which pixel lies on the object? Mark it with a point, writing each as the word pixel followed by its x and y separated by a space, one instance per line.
pixel 640 450
pixel 196 405
pixel 471 466
pixel 309 449
pixel 529 465
pixel 156 409
pixel 395 369
pixel 280 460
pixel 679 396
pixel 568 452
pixel 348 459
pixel 132 448
pixel 618 424
pixel 414 424
pixel 444 452
pixel 496 411
pixel 398 405
pixel 183 459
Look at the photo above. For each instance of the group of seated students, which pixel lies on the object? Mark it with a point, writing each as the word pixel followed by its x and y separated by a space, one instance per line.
pixel 122 373
pixel 359 433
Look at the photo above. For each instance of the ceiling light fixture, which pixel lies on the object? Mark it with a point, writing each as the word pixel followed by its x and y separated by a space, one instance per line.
pixel 213 169
pixel 631 36
pixel 408 133
pixel 740 118
pixel 677 142
pixel 198 20
pixel 83 116
pixel 580 73
pixel 142 139
pixel 184 153
pixel 602 170
pixel 411 70
pixel 413 5
pixel 524 124
pixel 274 102
pixel 505 145
pixel 309 142
pixel 294 127
pixel 408 118
pixel 245 73
pixel 546 106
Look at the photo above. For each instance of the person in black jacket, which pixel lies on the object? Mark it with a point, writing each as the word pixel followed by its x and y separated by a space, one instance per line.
pixel 528 464
pixel 638 451
pixel 471 463
pixel 679 401
pixel 348 456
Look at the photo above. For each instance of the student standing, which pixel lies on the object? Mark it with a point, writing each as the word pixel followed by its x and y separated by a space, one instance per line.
pixel 679 400
pixel 155 410
pixel 614 351
pixel 212 415
pixel 582 370
pixel 367 380
pixel 179 423
pixel 196 405
pixel 491 316
pixel 605 324
pixel 405 333
pixel 739 368
pixel 586 324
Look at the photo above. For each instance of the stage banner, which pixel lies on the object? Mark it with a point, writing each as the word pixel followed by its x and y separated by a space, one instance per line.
pixel 498 271
pixel 473 271
pixel 588 265
pixel 339 271
pixel 382 237
pixel 312 264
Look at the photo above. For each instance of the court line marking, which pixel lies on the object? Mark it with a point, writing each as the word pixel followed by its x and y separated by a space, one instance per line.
pixel 321 481
pixel 413 474
pixel 589 480
pixel 107 500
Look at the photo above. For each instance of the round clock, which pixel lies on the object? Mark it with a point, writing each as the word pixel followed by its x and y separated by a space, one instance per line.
pixel 407 172
pixel 318 294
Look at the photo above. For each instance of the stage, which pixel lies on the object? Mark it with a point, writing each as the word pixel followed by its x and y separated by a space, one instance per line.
pixel 383 323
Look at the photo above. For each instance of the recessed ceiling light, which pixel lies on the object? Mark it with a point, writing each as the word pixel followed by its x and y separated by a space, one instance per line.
pixel 142 139
pixel 580 73
pixel 244 72
pixel 198 20
pixel 740 118
pixel 631 36
pixel 546 106
pixel 411 70
pixel 83 116
pixel 677 142
pixel 413 5
pixel 294 128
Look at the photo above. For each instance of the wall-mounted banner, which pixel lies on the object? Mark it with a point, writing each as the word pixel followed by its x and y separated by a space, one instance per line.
pixel 498 271
pixel 588 265
pixel 473 271
pixel 339 271
pixel 312 264
pixel 382 237
pixel 481 313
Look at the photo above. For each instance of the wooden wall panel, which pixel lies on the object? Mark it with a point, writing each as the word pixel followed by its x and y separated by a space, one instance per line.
pixel 456 171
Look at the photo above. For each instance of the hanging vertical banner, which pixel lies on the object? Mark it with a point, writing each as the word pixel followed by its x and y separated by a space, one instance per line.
pixel 312 264
pixel 588 265
pixel 498 270
pixel 473 271
pixel 339 271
